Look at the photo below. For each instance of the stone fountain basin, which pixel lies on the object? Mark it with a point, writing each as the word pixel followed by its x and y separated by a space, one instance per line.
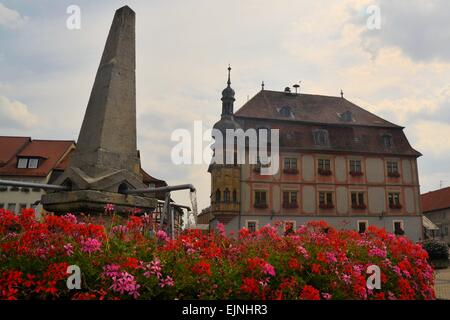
pixel 94 201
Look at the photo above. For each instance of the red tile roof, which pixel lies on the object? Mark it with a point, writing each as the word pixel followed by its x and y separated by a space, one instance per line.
pixel 362 132
pixel 309 108
pixel 50 151
pixel 9 146
pixel 435 200
pixel 62 165
pixel 148 179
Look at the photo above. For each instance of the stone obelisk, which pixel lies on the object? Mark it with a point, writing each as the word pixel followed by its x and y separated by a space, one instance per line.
pixel 106 161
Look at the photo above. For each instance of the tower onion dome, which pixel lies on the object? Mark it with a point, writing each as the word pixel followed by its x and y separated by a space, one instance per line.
pixel 227 120
pixel 226 123
pixel 228 92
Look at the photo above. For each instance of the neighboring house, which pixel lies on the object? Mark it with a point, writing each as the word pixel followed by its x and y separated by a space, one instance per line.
pixel 24 159
pixel 41 161
pixel 205 216
pixel 338 162
pixel 436 206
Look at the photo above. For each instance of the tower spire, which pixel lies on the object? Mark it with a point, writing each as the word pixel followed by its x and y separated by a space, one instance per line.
pixel 228 97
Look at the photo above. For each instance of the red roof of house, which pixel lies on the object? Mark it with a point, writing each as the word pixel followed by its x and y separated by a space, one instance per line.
pixel 310 108
pixel 350 128
pixel 50 152
pixel 62 165
pixel 435 200
pixel 148 179
pixel 9 146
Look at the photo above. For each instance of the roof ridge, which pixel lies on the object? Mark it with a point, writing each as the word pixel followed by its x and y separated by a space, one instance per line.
pixel 306 94
pixel 16 137
pixel 377 121
pixel 50 140
pixel 437 190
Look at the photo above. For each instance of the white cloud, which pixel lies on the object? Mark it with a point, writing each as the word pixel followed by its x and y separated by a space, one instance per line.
pixel 432 137
pixel 10 18
pixel 15 114
pixel 417 27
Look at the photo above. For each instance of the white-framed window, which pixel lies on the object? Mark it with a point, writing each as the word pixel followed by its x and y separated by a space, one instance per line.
pixel 290 163
pixel 355 166
pixel 260 198
pixel 30 163
pixel 11 207
pixel 289 225
pixel 251 225
pixel 22 163
pixel 357 198
pixel 362 225
pixel 394 200
pixel 2 205
pixel 324 164
pixel 290 199
pixel 33 163
pixel 326 198
pixel 392 168
pixel 398 227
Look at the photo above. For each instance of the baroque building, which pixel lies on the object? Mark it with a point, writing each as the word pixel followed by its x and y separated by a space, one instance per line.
pixel 338 163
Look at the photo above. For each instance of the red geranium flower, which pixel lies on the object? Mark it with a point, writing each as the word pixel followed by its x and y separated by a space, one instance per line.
pixel 250 285
pixel 309 293
pixel 202 267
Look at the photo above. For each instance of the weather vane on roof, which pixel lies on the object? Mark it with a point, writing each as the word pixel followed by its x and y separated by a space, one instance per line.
pixel 297 86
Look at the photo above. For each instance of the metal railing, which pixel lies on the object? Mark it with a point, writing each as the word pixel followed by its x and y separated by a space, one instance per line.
pixel 23 184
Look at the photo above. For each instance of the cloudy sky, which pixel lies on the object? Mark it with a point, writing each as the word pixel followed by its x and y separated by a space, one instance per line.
pixel 400 71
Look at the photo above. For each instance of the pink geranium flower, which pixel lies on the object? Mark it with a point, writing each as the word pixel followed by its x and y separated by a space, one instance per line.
pixel 90 245
pixel 125 283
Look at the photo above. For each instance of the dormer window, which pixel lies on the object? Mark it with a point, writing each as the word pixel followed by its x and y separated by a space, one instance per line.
pixel 387 141
pixel 320 137
pixel 286 112
pixel 346 116
pixel 27 163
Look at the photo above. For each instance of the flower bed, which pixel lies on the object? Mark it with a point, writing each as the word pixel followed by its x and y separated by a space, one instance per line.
pixel 122 260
